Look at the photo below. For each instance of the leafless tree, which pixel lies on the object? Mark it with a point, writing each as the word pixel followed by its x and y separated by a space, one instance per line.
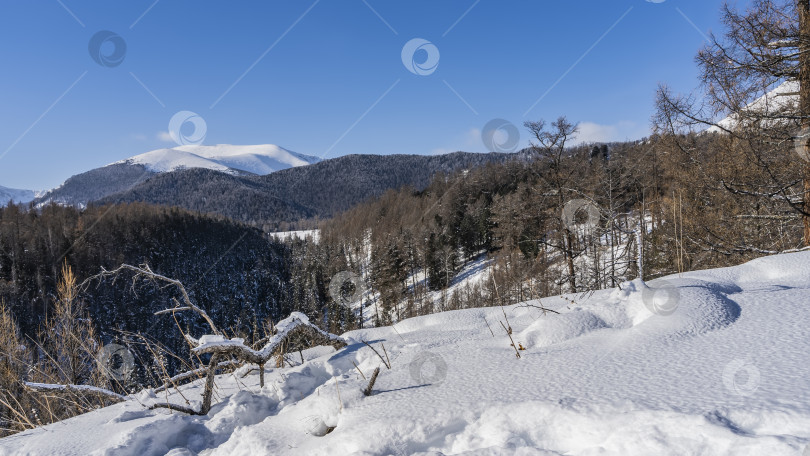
pixel 758 77
pixel 551 146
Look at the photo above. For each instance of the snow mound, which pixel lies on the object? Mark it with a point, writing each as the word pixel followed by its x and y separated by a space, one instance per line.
pixel 550 331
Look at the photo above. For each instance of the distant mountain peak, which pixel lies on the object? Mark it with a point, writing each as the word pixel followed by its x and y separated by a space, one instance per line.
pixel 16 195
pixel 782 97
pixel 123 175
pixel 259 159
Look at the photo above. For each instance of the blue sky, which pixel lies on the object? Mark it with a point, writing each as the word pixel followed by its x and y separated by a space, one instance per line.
pixel 327 78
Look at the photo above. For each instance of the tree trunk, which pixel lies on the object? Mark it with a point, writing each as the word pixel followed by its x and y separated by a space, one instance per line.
pixel 209 385
pixel 804 105
pixel 569 258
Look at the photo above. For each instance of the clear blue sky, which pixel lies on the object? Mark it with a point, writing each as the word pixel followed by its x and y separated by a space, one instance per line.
pixel 308 71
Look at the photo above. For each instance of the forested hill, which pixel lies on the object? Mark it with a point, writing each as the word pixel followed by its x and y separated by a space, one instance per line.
pixel 235 272
pixel 277 200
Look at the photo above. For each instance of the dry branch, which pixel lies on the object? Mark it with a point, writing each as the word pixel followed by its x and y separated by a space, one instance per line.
pixel 370 386
pixel 378 354
pixel 76 389
pixel 144 271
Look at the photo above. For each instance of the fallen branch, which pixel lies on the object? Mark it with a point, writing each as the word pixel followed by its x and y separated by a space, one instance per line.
pixel 544 309
pixel 194 373
pixel 207 393
pixel 78 389
pixel 237 348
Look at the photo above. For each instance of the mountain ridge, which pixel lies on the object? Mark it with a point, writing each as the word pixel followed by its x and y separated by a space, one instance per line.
pixel 238 160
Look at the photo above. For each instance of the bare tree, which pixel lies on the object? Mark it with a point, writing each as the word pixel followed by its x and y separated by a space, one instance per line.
pixel 758 77
pixel 551 146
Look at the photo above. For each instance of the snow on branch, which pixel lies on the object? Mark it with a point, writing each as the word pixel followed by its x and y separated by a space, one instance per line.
pixel 295 330
pixel 80 389
pixel 285 330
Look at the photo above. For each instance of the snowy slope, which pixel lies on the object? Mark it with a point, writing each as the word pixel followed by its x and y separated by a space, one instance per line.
pixel 16 195
pixel 780 98
pixel 708 363
pixel 314 235
pixel 258 159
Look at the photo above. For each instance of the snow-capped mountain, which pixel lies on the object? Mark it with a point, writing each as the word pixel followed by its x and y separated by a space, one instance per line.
pixel 16 195
pixel 259 159
pixel 256 160
pixel 780 99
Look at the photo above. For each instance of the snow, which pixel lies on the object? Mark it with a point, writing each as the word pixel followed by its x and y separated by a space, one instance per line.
pixel 212 343
pixel 313 235
pixel 78 388
pixel 16 195
pixel 209 341
pixel 707 363
pixel 772 102
pixel 256 159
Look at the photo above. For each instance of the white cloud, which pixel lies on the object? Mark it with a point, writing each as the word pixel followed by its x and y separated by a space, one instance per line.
pixel 165 136
pixel 469 141
pixel 590 132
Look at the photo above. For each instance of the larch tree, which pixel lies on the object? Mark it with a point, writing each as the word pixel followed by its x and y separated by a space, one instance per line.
pixel 757 78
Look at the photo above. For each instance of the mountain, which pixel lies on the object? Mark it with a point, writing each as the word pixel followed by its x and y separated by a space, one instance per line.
pixel 321 189
pixel 16 195
pixel 260 159
pixel 126 174
pixel 781 99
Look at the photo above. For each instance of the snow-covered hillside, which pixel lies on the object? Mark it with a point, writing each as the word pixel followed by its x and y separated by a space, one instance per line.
pixel 707 363
pixel 282 236
pixel 779 99
pixel 258 159
pixel 16 195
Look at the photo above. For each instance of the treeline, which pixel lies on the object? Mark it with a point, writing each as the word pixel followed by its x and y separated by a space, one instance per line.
pixel 238 274
pixel 668 192
pixel 294 198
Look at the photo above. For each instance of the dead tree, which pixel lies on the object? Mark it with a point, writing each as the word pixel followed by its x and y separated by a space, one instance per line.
pixel 293 333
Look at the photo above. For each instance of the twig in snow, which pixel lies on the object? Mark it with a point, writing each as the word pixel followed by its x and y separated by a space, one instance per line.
pixel 490 329
pixel 358 369
pixel 386 355
pixel 509 330
pixel 378 354
pixel 509 333
pixel 544 309
pixel 338 391
pixel 370 386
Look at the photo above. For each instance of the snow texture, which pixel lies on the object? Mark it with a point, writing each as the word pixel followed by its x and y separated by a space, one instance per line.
pixel 706 363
